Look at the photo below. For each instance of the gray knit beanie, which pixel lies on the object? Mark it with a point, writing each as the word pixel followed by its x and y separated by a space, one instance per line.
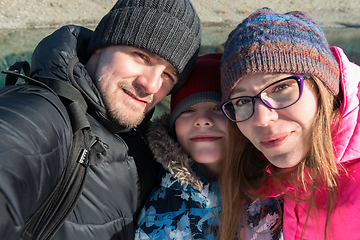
pixel 169 28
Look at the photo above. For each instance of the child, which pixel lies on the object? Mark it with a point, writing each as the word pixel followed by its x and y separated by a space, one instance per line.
pixel 294 103
pixel 191 144
pixel 185 203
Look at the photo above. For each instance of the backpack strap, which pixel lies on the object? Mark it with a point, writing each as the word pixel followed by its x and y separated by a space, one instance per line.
pixel 17 67
pixel 86 150
pixel 70 96
pixel 50 216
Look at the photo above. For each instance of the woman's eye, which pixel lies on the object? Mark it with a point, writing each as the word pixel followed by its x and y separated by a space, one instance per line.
pixel 242 101
pixel 284 86
pixel 281 87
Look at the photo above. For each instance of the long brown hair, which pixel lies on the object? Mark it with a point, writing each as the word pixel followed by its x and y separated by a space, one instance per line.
pixel 244 173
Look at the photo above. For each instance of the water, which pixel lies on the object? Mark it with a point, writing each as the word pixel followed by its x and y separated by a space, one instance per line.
pixel 18 45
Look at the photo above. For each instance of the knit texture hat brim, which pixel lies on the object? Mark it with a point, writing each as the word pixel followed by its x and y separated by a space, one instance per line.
pixel 196 98
pixel 169 28
pixel 267 42
pixel 203 85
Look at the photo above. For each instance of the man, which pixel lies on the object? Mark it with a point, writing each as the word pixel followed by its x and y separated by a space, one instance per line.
pixel 140 52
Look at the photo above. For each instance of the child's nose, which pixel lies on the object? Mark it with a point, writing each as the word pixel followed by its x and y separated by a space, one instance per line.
pixel 203 119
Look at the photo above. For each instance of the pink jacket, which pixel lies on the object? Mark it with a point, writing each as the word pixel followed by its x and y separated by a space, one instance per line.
pixel 345 221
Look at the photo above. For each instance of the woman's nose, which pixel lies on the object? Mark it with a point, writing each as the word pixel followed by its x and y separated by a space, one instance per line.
pixel 263 115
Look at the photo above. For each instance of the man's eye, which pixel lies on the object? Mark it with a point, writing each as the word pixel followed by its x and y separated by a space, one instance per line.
pixel 170 77
pixel 143 56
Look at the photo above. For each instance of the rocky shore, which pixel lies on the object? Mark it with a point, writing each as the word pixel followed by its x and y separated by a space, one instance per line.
pixel 15 14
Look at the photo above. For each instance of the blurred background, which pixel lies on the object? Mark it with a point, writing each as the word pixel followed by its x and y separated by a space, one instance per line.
pixel 23 23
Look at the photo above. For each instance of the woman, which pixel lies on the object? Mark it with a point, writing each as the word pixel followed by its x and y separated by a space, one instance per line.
pixel 293 103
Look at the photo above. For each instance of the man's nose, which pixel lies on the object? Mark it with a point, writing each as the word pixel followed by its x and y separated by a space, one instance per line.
pixel 151 79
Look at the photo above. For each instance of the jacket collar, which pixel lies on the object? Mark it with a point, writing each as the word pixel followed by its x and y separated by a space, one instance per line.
pixel 347 137
pixel 168 152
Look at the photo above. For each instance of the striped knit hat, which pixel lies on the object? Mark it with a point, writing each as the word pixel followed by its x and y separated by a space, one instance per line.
pixel 203 85
pixel 268 42
pixel 169 28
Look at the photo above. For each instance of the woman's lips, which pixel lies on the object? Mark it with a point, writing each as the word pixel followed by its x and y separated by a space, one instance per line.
pixel 275 141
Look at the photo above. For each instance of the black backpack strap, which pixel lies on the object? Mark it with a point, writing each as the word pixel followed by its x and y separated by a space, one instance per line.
pixel 17 67
pixel 70 96
pixel 86 150
pixel 49 217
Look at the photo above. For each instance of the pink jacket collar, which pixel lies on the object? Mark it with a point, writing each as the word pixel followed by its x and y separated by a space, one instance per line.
pixel 347 138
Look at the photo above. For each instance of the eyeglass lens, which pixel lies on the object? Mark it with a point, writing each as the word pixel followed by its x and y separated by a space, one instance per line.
pixel 278 95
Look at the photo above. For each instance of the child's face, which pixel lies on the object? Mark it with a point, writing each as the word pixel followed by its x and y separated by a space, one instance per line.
pixel 281 135
pixel 201 132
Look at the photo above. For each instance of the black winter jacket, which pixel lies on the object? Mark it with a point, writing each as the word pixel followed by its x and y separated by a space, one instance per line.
pixel 35 140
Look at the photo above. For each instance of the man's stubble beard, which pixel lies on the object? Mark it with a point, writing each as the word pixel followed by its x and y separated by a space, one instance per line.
pixel 127 116
pixel 124 117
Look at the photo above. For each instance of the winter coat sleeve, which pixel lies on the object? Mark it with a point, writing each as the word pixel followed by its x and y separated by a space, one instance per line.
pixel 35 138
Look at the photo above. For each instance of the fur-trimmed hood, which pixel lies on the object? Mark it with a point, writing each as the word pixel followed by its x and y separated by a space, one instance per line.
pixel 170 154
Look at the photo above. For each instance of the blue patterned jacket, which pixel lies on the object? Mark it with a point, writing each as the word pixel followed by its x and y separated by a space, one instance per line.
pixel 185 205
pixel 179 212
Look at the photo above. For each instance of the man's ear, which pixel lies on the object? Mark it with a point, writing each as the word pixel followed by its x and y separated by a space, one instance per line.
pixel 92 62
pixel 98 51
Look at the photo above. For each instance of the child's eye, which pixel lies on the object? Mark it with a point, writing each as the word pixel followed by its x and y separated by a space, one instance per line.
pixel 188 111
pixel 217 108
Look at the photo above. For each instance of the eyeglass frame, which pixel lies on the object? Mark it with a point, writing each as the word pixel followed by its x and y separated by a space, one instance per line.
pixel 299 80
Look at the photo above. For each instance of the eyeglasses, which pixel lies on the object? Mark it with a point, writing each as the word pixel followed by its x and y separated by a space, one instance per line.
pixel 278 95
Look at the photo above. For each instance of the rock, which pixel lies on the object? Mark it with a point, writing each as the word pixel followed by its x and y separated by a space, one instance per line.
pixel 16 14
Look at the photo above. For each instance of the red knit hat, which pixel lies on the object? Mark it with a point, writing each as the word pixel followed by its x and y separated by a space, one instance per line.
pixel 202 85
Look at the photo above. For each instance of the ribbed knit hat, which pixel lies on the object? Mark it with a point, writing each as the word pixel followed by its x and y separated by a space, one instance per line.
pixel 169 28
pixel 203 85
pixel 268 42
